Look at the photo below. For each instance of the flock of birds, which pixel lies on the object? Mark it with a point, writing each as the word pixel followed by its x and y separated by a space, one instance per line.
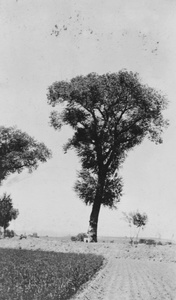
pixel 77 27
pixel 145 39
pixel 75 24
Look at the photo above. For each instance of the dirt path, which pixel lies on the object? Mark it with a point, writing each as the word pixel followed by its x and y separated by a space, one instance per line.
pixel 129 279
pixel 142 273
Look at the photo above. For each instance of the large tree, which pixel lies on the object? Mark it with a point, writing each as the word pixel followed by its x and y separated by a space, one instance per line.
pixel 19 151
pixel 7 211
pixel 110 114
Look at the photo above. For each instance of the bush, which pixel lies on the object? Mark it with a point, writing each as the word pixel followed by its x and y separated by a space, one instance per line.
pixel 23 236
pixel 150 242
pixel 160 243
pixel 9 233
pixel 142 241
pixel 79 238
pixel 169 243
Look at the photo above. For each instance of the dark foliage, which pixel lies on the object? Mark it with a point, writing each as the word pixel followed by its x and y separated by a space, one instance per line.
pixel 139 220
pixel 9 233
pixel 19 151
pixel 7 211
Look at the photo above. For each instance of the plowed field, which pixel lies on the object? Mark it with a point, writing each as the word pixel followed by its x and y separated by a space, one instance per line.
pixel 129 273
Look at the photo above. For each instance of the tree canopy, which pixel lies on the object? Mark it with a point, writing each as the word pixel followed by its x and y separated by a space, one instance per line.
pixel 7 211
pixel 110 114
pixel 19 151
pixel 139 220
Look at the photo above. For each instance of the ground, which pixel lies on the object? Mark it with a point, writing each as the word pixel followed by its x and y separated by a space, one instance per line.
pixel 129 273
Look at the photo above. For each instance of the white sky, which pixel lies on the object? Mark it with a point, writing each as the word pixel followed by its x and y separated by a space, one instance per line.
pixel 93 36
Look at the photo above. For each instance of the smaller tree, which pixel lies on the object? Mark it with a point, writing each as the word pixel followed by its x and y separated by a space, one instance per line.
pixel 19 151
pixel 7 211
pixel 135 219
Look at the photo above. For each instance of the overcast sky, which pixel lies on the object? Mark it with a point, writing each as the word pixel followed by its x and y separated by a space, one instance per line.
pixel 43 41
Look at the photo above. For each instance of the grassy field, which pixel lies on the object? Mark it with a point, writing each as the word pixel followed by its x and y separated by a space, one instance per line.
pixel 26 274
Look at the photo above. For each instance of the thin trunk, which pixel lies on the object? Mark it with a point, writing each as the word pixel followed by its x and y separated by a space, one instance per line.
pixel 138 234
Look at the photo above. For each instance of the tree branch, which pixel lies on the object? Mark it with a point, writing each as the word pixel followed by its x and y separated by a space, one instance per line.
pixel 111 151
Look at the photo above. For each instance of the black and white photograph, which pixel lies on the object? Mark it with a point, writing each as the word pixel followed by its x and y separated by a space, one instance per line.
pixel 87 149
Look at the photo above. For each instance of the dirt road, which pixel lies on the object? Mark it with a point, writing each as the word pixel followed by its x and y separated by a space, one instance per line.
pixel 128 279
pixel 134 274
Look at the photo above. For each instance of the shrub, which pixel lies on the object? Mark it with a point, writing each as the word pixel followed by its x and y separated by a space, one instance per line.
pixel 9 233
pixel 73 238
pixel 23 236
pixel 142 241
pixel 150 242
pixel 79 238
pixel 160 243
pixel 169 243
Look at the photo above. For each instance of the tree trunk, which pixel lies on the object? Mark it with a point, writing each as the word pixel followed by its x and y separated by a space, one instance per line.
pixel 93 223
pixel 4 232
pixel 138 234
